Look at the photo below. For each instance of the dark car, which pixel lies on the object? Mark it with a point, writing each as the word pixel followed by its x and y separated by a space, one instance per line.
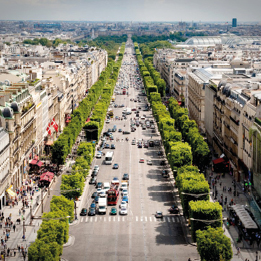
pixel 133 129
pixel 166 175
pixel 120 130
pixel 107 134
pixel 109 130
pixel 125 176
pixel 94 194
pixel 93 180
pixel 163 163
pixel 113 211
pixel 174 209
pixel 96 199
pixel 143 127
pixel 107 146
pixel 93 205
pixel 94 173
pixel 126 132
pixel 92 212
pixel 99 185
pixel 145 145
pixel 113 146
pixel 115 166
pixel 160 153
pixel 164 172
pixel 153 131
pixel 83 212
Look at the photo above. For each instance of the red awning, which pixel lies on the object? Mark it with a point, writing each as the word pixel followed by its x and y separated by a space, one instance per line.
pixel 217 161
pixel 47 176
pixel 33 162
pixel 36 157
pixel 88 120
pixel 39 163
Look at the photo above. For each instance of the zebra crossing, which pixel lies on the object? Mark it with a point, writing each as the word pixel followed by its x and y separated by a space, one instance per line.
pixel 151 219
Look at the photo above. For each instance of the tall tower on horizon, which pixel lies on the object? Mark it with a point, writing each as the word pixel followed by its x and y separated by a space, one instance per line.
pixel 234 22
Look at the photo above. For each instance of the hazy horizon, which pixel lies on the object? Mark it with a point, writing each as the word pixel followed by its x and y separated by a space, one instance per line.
pixel 131 10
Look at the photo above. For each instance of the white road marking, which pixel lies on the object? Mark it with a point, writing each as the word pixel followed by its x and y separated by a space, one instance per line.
pixel 168 219
pixel 109 219
pixel 82 219
pixel 141 219
pixel 86 219
pixel 155 219
pixel 145 219
pixel 113 218
pixel 119 218
pixel 173 219
pixel 90 219
pixel 122 218
pixel 104 219
pixel 95 219
pixel 150 219
pixel 137 218
pixel 164 219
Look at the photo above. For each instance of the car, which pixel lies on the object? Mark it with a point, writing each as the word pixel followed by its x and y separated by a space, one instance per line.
pixel 139 145
pixel 133 109
pixel 120 130
pixel 174 209
pixel 123 204
pixel 113 211
pixel 125 176
pixel 145 145
pixel 123 211
pixel 93 205
pixel 133 129
pixel 160 153
pixel 166 175
pixel 99 185
pixel 153 131
pixel 142 160
pixel 124 192
pixel 124 185
pixel 107 146
pixel 159 214
pixel 152 126
pixel 98 155
pixel 115 166
pixel 149 162
pixel 94 173
pixel 113 130
pixel 96 167
pixel 108 121
pixel 163 163
pixel 156 142
pixel 143 127
pixel 133 142
pixel 83 212
pixel 92 212
pixel 113 146
pixel 109 130
pixel 93 180
pixel 96 199
pixel 99 190
pixel 125 198
pixel 126 132
pixel 94 194
pixel 107 134
pixel 102 194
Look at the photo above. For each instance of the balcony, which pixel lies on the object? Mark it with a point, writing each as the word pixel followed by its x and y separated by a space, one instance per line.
pixel 235 121
pixel 258 121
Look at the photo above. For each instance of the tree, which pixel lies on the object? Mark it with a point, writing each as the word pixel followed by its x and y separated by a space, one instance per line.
pixel 213 245
pixel 72 182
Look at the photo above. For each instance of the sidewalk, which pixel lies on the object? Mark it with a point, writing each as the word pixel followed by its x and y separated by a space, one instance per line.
pixel 247 252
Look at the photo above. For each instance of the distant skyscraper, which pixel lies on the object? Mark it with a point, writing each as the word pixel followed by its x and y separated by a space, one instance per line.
pixel 234 22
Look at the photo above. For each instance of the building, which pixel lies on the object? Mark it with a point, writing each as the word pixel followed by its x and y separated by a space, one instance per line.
pixel 234 22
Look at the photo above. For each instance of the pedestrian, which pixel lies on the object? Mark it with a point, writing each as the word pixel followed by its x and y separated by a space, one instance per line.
pixel 14 227
pixel 19 212
pixel 238 250
pixel 18 247
pixel 8 251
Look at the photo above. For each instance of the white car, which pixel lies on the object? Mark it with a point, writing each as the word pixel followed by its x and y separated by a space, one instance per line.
pixel 108 121
pixel 98 155
pixel 124 192
pixel 124 185
pixel 123 204
pixel 102 194
pixel 96 167
pixel 123 211
pixel 133 142
pixel 149 162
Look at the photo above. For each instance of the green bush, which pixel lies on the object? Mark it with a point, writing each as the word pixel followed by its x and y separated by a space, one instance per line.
pixel 204 210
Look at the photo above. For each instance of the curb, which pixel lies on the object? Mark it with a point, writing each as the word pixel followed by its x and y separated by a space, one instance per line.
pixel 70 241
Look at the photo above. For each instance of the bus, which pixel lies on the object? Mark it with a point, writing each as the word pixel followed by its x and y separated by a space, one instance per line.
pixel 109 158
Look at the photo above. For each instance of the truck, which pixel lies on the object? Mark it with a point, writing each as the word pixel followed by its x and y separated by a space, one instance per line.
pixel 113 195
pixel 102 204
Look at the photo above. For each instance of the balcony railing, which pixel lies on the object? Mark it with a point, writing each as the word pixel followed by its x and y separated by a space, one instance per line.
pixel 258 121
pixel 235 121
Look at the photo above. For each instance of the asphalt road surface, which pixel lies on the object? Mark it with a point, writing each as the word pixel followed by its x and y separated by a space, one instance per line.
pixel 137 235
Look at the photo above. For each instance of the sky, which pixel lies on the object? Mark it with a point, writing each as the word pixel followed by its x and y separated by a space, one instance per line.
pixel 132 10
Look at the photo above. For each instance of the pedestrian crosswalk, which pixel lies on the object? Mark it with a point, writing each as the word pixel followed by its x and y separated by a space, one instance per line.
pixel 151 219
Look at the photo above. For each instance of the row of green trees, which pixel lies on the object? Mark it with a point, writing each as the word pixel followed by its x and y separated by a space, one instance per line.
pixel 63 145
pixel 46 42
pixel 190 134
pixel 192 186
pixel 151 78
pixel 94 127
pixel 53 232
pixel 73 184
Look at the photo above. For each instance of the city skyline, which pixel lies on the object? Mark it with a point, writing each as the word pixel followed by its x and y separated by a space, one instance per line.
pixel 143 11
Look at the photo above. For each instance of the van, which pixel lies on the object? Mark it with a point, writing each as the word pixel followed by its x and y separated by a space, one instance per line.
pixel 106 186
